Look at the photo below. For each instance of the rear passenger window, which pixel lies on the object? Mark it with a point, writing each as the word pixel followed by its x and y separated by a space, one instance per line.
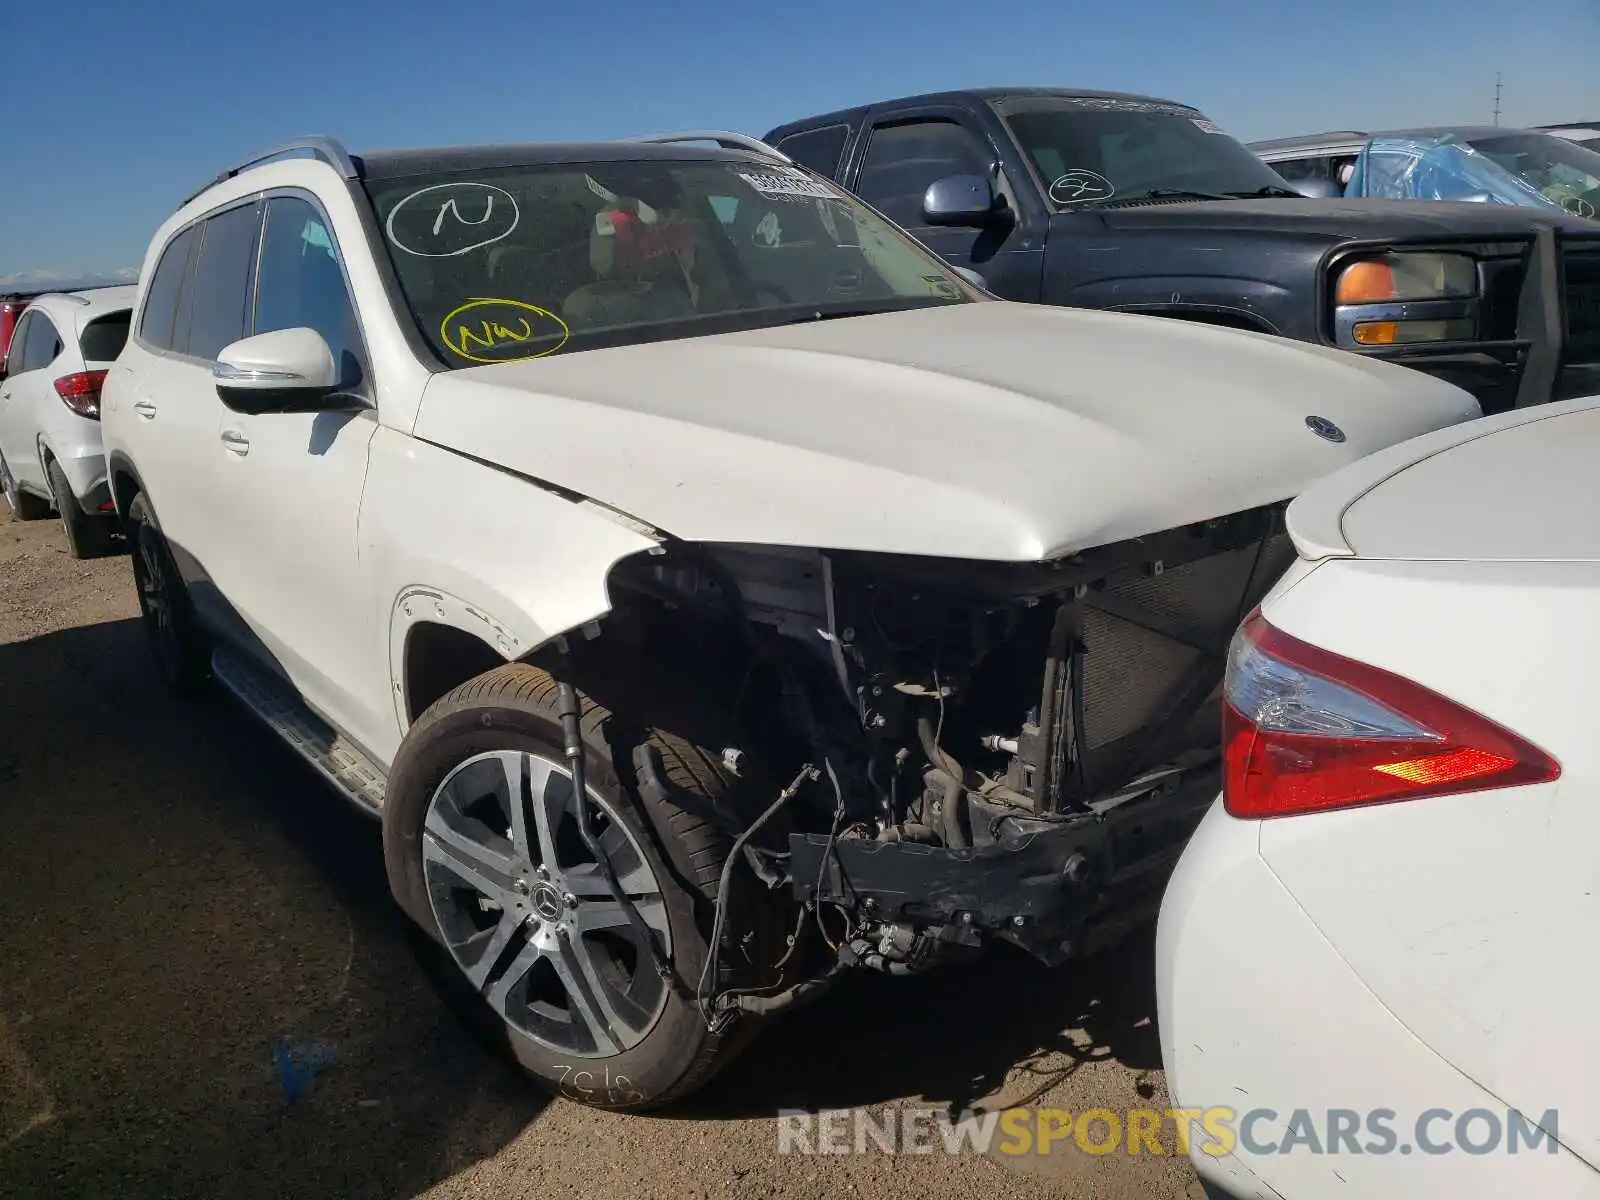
pixel 1296 169
pixel 103 338
pixel 218 313
pixel 161 300
pixel 19 340
pixel 42 346
pixel 819 149
pixel 300 283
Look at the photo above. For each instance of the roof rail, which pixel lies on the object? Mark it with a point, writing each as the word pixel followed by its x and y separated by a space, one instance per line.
pixel 324 148
pixel 730 141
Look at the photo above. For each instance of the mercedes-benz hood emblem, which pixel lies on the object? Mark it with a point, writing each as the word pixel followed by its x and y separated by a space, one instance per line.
pixel 1325 429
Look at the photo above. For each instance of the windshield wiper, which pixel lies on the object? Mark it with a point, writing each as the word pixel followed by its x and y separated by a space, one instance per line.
pixel 904 304
pixel 1272 189
pixel 816 314
pixel 1165 194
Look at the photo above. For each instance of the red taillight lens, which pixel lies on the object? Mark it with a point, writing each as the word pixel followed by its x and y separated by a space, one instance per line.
pixel 1306 730
pixel 81 392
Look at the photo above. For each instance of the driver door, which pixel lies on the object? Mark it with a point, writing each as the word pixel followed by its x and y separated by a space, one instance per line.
pixel 292 483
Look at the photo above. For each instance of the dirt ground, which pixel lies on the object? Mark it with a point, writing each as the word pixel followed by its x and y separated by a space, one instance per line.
pixel 179 898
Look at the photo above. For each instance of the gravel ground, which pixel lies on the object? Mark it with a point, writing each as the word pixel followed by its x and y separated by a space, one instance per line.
pixel 179 898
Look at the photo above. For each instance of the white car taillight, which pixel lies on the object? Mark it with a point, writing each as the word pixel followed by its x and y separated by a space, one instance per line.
pixel 81 392
pixel 1306 730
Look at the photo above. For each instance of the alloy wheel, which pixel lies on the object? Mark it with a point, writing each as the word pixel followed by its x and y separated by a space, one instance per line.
pixel 526 912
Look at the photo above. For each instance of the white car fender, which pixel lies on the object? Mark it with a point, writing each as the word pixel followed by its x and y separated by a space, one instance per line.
pixel 441 531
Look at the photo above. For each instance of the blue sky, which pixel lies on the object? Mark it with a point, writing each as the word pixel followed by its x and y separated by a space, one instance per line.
pixel 116 112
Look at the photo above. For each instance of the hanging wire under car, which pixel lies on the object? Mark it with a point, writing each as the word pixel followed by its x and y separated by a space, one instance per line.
pixel 707 993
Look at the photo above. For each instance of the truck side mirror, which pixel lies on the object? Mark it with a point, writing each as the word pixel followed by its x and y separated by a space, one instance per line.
pixel 960 200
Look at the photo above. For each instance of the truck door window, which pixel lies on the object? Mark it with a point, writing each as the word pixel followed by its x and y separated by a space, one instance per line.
pixel 819 149
pixel 902 160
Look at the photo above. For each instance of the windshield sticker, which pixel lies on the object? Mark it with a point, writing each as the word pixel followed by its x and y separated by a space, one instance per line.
pixel 786 183
pixel 939 285
pixel 1107 104
pixel 488 330
pixel 769 233
pixel 1205 126
pixel 1078 187
pixel 448 219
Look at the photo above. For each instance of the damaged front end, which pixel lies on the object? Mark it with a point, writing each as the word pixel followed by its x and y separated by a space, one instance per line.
pixel 978 750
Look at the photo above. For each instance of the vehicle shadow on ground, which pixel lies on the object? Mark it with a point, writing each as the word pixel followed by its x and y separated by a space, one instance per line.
pixel 955 1037
pixel 179 896
pixel 181 903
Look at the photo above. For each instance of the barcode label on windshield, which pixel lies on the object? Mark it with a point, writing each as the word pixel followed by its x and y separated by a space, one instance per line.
pixel 783 181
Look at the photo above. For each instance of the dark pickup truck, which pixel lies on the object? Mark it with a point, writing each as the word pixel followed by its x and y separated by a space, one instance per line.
pixel 1105 200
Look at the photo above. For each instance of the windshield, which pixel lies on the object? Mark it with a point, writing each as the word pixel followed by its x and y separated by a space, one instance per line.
pixel 1091 153
pixel 515 263
pixel 1561 171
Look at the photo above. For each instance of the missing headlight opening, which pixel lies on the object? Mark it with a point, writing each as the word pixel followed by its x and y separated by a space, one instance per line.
pixel 957 752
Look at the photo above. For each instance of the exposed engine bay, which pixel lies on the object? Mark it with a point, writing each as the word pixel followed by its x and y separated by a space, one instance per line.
pixel 972 750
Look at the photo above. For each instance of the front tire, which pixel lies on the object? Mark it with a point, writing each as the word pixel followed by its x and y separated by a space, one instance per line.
pixel 523 937
pixel 24 505
pixel 87 536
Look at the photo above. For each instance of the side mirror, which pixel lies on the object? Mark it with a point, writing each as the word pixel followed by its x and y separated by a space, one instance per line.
pixel 959 200
pixel 1318 189
pixel 290 370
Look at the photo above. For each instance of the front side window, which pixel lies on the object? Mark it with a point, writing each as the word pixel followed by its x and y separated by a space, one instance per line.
pixel 1090 152
pixel 218 314
pixel 300 283
pixel 902 160
pixel 516 263
pixel 166 284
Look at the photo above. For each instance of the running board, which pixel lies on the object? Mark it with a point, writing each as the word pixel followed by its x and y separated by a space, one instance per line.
pixel 333 755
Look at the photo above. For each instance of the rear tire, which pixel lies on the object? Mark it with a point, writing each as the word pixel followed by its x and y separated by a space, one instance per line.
pixel 25 506
pixel 181 652
pixel 87 536
pixel 655 1047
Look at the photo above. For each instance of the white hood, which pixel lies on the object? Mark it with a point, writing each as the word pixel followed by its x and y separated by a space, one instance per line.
pixel 989 431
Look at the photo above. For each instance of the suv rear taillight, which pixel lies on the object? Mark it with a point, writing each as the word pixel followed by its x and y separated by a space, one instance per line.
pixel 81 392
pixel 1305 730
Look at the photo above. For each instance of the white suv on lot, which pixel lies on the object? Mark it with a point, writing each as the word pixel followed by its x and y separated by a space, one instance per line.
pixel 708 588
pixel 50 453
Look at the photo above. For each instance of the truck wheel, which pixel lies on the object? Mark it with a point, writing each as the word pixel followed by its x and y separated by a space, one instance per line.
pixel 524 940
pixel 181 652
pixel 24 505
pixel 87 536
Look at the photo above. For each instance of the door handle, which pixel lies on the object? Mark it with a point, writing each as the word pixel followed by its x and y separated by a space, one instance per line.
pixel 236 442
pixel 145 409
